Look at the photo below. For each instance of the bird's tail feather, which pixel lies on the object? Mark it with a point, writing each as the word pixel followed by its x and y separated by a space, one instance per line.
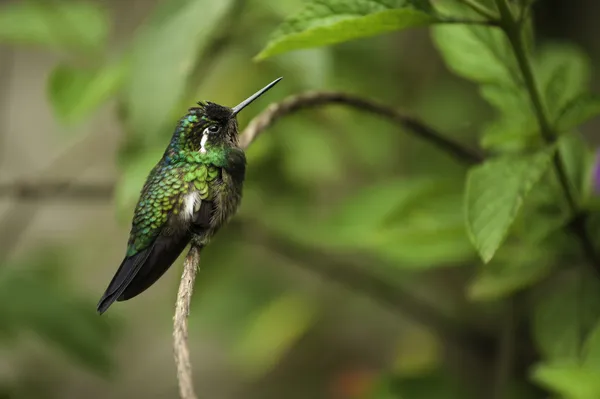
pixel 138 272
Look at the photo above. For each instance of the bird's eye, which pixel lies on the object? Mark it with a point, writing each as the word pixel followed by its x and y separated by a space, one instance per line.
pixel 214 128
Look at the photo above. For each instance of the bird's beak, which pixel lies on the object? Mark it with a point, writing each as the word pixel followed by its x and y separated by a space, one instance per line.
pixel 253 97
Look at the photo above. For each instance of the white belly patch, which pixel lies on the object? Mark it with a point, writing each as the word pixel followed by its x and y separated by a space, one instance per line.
pixel 192 203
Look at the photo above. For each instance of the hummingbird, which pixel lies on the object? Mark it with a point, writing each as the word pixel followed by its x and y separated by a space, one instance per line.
pixel 193 190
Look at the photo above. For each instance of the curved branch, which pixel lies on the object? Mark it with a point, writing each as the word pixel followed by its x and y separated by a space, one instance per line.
pixel 315 99
pixel 260 123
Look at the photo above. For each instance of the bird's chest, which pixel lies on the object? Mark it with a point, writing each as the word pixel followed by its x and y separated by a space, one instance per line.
pixel 200 184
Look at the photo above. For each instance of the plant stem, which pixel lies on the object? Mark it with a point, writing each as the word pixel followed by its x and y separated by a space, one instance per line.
pixel 512 27
pixel 480 9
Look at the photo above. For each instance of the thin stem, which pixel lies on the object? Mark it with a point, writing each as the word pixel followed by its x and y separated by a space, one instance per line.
pixel 513 31
pixel 480 9
pixel 180 324
pixel 512 28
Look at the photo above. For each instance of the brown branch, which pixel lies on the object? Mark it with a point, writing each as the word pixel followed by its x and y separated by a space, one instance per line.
pixel 316 99
pixel 180 325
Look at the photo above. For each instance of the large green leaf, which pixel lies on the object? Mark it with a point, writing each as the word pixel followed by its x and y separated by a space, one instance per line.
pixel 476 53
pixel 54 24
pixel 495 193
pixel 75 92
pixel 326 22
pixel 163 58
pixel 564 313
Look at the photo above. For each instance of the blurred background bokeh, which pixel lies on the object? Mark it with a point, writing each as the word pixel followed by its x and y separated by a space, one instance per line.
pixel 347 273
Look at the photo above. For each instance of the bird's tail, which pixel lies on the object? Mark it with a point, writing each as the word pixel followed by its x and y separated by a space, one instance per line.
pixel 138 272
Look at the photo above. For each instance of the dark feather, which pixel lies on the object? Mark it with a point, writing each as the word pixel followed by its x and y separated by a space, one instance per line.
pixel 201 220
pixel 236 164
pixel 138 272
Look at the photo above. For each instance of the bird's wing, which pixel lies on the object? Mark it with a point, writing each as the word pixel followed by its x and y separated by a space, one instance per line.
pixel 150 252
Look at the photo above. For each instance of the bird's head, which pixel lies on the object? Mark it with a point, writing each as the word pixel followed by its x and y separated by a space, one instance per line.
pixel 211 125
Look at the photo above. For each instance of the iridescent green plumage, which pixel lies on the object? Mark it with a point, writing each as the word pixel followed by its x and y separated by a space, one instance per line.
pixel 193 190
pixel 164 194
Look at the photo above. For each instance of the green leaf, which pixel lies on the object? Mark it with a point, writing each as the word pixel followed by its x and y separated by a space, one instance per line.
pixel 164 58
pixel 564 73
pixel 514 268
pixel 75 92
pixel 569 381
pixel 477 53
pixel 565 311
pixel 271 334
pixel 581 109
pixel 495 193
pixel 415 223
pixel 326 22
pixel 516 127
pixel 56 25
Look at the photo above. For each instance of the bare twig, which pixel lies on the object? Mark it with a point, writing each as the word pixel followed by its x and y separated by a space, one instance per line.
pixel 316 99
pixel 180 325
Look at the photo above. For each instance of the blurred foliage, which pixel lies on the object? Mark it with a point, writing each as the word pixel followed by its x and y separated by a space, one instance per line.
pixel 36 297
pixel 344 183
